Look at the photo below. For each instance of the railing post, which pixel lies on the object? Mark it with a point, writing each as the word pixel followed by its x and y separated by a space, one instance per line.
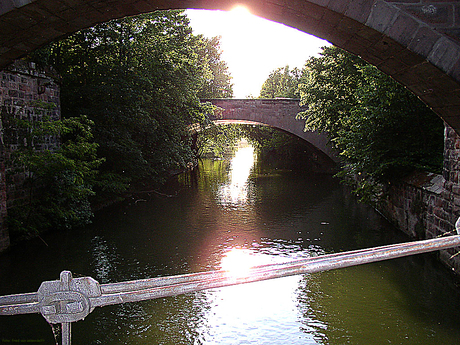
pixel 66 333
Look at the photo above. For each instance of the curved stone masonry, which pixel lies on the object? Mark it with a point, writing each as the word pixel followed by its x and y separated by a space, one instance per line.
pixel 279 113
pixel 415 42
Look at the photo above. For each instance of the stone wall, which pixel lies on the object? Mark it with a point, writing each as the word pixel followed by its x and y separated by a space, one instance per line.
pixel 427 205
pixel 4 236
pixel 22 85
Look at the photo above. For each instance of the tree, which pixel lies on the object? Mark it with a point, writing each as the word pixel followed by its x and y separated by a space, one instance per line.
pixel 381 129
pixel 281 83
pixel 138 79
pixel 216 77
pixel 216 83
pixel 218 140
pixel 59 179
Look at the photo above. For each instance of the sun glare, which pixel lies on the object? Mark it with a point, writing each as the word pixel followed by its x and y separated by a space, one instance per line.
pixel 240 10
pixel 238 262
pixel 252 46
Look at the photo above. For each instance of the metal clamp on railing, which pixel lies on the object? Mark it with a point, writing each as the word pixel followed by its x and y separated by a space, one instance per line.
pixel 68 299
pixel 72 299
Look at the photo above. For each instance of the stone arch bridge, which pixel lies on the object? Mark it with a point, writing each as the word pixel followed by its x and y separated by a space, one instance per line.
pixel 278 113
pixel 415 42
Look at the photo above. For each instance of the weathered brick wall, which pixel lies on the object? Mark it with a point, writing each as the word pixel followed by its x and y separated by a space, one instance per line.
pixel 4 236
pixel 407 203
pixel 428 205
pixel 21 86
pixel 446 210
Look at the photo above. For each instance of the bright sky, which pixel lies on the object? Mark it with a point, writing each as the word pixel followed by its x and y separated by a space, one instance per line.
pixel 253 47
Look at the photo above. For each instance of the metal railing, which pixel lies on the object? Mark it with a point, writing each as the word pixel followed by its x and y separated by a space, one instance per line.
pixel 71 299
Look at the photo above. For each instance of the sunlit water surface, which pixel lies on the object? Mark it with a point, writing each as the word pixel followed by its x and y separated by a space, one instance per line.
pixel 231 215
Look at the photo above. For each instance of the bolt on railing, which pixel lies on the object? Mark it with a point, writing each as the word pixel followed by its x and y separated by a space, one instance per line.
pixel 71 299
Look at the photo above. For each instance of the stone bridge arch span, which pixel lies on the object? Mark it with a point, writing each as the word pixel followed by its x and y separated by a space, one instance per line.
pixel 415 42
pixel 278 113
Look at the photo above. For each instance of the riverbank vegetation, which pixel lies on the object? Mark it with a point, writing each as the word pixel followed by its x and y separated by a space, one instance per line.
pixel 131 90
pixel 58 181
pixel 380 129
pixel 136 84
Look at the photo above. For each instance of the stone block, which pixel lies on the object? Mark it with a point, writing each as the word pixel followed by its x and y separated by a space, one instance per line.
pixel 403 29
pixel 455 71
pixel 359 10
pixel 307 10
pixel 394 67
pixel 451 115
pixel 434 14
pixel 339 6
pixel 440 99
pixel 368 34
pixel 6 6
pixel 457 200
pixel 381 16
pixel 453 33
pixel 445 54
pixel 325 27
pixel 321 2
pixel 348 26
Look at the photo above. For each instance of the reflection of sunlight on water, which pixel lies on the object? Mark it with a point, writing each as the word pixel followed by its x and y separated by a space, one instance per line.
pixel 238 262
pixel 236 192
pixel 254 313
pixel 104 258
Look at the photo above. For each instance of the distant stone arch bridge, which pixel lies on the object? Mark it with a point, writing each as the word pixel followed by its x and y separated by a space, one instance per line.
pixel 278 113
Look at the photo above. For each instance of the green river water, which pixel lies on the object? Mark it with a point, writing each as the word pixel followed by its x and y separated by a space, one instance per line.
pixel 270 215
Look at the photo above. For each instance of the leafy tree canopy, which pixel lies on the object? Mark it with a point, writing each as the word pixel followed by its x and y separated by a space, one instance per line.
pixel 382 130
pixel 139 79
pixel 59 179
pixel 216 78
pixel 282 83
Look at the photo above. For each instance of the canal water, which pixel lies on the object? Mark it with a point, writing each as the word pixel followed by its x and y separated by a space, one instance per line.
pixel 232 213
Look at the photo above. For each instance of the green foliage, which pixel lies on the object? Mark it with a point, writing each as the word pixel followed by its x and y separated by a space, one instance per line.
pixel 216 80
pixel 58 180
pixel 217 140
pixel 274 146
pixel 282 83
pixel 139 79
pixel 264 138
pixel 382 131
